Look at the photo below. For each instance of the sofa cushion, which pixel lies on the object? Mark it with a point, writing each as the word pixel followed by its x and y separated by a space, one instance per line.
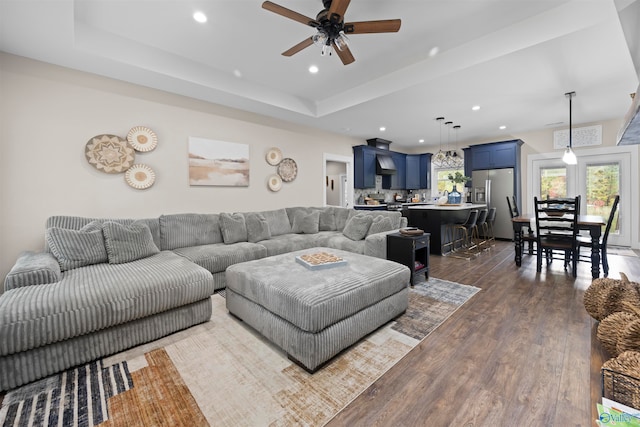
pixel 278 221
pixel 126 243
pixel 77 222
pixel 77 248
pixel 357 226
pixel 292 242
pixel 233 227
pixel 219 256
pixel 96 297
pixel 327 221
pixel 380 224
pixel 257 227
pixel 341 215
pixel 306 222
pixel 189 229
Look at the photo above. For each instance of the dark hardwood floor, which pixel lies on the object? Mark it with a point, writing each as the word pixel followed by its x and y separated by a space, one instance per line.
pixel 519 353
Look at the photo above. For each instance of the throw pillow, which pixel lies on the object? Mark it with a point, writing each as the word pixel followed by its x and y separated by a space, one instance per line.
pixel 77 248
pixel 257 227
pixel 380 224
pixel 126 243
pixel 357 226
pixel 233 227
pixel 306 223
pixel 327 220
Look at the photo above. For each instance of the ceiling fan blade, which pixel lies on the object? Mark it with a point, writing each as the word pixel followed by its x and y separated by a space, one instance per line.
pixel 288 13
pixel 297 48
pixel 368 27
pixel 345 55
pixel 337 10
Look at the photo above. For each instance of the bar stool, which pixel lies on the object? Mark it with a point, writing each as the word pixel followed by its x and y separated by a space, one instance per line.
pixel 481 228
pixel 491 218
pixel 463 233
pixel 448 236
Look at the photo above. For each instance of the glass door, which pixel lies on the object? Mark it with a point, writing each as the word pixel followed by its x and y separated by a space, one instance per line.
pixel 599 176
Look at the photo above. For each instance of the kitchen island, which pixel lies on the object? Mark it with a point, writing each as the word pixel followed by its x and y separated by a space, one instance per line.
pixel 433 219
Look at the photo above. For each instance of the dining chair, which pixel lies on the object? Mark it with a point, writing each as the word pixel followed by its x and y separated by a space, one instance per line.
pixel 585 241
pixel 527 234
pixel 557 229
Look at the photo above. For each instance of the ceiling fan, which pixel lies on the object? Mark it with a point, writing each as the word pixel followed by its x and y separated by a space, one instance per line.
pixel 331 28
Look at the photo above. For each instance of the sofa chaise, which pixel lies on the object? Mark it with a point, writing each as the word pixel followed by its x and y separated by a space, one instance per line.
pixel 101 286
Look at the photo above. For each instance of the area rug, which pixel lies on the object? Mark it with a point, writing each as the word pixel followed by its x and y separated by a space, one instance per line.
pixel 222 373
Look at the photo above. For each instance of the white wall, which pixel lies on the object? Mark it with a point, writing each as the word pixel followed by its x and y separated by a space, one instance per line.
pixel 49 113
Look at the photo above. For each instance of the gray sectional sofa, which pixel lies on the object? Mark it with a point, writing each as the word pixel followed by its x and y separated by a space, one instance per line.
pixel 101 286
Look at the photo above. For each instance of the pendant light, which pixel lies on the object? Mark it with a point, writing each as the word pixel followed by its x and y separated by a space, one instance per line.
pixel 439 158
pixel 569 156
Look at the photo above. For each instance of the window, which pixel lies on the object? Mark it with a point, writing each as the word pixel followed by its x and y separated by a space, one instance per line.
pixel 553 182
pixel 603 183
pixel 443 179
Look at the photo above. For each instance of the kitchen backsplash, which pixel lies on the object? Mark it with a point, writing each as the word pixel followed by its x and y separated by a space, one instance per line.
pixel 360 193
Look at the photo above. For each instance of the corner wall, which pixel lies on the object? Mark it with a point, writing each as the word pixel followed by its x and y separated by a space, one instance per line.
pixel 48 114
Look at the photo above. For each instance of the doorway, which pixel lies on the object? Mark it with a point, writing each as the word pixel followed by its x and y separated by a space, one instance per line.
pixel 599 175
pixel 338 180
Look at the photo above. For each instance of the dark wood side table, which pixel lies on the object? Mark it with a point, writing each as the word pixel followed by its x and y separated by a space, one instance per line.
pixel 412 251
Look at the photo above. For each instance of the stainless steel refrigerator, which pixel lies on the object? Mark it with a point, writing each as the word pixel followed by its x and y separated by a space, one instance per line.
pixel 492 187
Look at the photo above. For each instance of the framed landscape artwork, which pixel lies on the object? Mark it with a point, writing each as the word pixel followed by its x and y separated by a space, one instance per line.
pixel 219 163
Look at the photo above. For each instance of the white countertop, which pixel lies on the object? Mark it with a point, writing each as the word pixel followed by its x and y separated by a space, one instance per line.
pixel 450 207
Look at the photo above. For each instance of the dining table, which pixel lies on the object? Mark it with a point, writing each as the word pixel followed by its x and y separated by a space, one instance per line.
pixel 591 223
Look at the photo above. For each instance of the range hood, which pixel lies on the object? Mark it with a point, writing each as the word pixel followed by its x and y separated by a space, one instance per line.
pixel 385 165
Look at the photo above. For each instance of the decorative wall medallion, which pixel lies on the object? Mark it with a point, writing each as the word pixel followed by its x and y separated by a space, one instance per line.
pixel 288 170
pixel 109 153
pixel 140 176
pixel 274 156
pixel 275 182
pixel 142 139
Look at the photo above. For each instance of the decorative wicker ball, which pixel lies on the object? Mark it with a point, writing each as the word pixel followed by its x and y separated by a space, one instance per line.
pixel 629 337
pixel 610 329
pixel 596 295
pixel 607 296
pixel 621 378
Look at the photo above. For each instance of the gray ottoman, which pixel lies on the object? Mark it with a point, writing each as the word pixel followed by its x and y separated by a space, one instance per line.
pixel 315 314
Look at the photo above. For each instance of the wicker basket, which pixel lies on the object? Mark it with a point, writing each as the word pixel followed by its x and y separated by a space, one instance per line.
pixel 621 379
pixel 611 328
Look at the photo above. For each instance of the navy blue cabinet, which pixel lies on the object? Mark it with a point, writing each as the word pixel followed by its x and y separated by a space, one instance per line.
pixel 397 181
pixel 418 171
pixel 364 166
pixel 496 155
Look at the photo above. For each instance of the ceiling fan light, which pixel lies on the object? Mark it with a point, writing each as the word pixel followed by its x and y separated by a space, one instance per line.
pixel 342 41
pixel 319 39
pixel 569 157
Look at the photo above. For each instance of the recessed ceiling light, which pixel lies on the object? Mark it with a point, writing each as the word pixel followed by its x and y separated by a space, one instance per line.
pixel 237 73
pixel 434 51
pixel 200 17
pixel 313 69
pixel 382 128
pixel 503 127
pixel 421 141
pixel 475 107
